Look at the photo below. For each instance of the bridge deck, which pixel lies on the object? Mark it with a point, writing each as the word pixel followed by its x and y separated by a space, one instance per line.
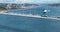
pixel 30 15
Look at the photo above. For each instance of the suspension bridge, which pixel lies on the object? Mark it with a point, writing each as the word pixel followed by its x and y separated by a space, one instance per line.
pixel 30 15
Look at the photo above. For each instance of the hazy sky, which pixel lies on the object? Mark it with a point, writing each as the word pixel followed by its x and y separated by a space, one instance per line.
pixel 30 1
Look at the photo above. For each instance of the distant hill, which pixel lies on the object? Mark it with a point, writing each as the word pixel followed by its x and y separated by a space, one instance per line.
pixel 54 4
pixel 2 8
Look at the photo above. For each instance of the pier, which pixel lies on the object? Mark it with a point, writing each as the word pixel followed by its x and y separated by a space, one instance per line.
pixel 30 15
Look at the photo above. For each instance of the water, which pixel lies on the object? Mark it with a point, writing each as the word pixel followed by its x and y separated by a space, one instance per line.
pixel 54 11
pixel 9 23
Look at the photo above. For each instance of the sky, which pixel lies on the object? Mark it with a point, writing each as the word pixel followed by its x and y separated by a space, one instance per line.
pixel 30 1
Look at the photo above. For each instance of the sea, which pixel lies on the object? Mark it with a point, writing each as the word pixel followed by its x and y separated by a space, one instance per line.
pixel 12 23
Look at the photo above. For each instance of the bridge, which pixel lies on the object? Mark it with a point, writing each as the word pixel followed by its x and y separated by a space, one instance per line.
pixel 30 15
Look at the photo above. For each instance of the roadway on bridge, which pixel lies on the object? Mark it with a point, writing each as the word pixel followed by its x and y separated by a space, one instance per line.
pixel 30 15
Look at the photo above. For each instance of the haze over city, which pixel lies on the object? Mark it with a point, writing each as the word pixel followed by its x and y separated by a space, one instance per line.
pixel 30 1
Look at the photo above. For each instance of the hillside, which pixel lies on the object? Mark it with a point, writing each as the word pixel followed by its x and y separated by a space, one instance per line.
pixel 54 4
